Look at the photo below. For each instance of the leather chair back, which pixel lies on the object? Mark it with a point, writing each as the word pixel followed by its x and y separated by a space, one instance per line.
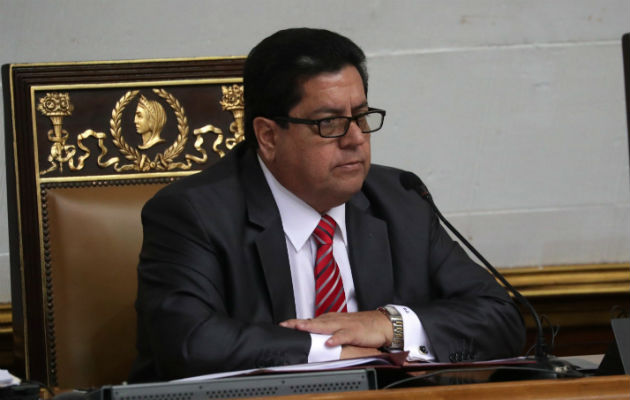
pixel 87 154
pixel 95 236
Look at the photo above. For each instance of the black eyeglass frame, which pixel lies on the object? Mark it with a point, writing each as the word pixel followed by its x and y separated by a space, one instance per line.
pixel 354 118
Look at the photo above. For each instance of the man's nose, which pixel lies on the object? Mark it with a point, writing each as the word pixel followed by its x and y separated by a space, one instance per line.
pixel 354 136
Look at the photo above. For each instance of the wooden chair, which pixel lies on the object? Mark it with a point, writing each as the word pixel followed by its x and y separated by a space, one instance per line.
pixel 87 145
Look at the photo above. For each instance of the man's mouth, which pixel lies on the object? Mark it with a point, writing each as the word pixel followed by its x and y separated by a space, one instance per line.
pixel 350 164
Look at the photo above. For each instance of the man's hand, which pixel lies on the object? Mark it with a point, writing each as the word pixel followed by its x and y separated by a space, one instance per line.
pixel 369 329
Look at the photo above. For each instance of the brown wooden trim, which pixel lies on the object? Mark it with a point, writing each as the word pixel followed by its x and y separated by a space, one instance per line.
pixel 579 300
pixel 568 280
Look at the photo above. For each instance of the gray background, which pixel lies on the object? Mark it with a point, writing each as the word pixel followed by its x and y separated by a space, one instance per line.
pixel 511 111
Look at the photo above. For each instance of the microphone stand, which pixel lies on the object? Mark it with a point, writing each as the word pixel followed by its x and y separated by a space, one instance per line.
pixel 555 367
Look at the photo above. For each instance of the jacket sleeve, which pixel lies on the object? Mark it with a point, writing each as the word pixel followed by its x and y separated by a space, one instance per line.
pixel 186 323
pixel 465 313
pixel 471 317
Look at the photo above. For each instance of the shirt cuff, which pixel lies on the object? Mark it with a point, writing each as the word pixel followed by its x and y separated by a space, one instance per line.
pixel 416 340
pixel 320 352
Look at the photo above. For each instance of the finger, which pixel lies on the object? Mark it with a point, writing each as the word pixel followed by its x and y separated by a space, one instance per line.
pixel 344 336
pixel 322 326
pixel 290 323
pixel 338 338
pixel 337 316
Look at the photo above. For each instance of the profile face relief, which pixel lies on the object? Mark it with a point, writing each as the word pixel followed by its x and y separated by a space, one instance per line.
pixel 149 119
pixel 141 120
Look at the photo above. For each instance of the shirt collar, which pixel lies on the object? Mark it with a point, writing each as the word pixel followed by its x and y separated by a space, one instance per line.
pixel 299 220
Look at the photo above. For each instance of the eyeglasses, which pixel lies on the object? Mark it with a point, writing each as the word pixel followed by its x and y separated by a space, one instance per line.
pixel 334 127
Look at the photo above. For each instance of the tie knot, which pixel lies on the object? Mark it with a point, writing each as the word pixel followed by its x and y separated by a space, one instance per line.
pixel 325 230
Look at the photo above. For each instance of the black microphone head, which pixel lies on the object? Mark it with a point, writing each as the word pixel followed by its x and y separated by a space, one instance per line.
pixel 411 181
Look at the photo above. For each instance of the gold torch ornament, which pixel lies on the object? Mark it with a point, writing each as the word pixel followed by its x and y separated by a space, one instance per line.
pixel 56 106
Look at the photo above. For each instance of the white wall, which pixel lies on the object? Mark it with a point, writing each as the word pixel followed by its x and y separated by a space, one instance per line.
pixel 511 111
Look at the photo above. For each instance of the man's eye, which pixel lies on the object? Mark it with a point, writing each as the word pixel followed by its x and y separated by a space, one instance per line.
pixel 328 122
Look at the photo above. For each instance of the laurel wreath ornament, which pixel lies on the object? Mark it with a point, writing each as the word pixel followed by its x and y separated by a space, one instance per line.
pixel 182 127
pixel 162 161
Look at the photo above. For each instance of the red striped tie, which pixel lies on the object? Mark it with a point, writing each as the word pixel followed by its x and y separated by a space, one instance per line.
pixel 329 294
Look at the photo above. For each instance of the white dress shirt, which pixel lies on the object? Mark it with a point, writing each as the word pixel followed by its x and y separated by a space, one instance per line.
pixel 299 220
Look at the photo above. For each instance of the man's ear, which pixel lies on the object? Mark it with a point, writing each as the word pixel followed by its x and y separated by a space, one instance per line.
pixel 265 131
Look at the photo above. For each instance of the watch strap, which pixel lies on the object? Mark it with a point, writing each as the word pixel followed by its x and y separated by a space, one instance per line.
pixel 398 339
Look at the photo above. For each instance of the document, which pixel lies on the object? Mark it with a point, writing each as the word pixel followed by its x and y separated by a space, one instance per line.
pixel 388 360
pixel 385 359
pixel 6 379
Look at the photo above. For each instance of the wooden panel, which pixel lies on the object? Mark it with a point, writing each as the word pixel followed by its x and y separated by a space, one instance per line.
pixel 580 300
pixel 570 280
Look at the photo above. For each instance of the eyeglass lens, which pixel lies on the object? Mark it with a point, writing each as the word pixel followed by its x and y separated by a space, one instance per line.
pixel 368 122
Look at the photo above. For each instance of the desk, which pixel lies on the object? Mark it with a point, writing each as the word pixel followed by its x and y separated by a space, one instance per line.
pixel 600 388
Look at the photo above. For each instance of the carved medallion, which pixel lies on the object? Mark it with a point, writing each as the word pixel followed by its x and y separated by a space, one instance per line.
pixel 149 118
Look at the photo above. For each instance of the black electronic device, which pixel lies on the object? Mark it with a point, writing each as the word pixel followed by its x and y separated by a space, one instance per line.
pixel 24 391
pixel 617 358
pixel 625 51
pixel 245 386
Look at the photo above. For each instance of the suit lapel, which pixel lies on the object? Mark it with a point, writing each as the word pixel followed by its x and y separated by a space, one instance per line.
pixel 370 255
pixel 269 240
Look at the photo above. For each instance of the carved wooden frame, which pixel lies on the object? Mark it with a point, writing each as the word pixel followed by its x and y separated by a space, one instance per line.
pixel 29 152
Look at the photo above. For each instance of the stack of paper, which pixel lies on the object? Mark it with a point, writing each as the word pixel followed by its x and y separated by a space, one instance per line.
pixel 6 379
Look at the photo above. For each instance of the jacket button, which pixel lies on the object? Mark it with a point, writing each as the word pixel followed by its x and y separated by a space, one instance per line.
pixel 451 357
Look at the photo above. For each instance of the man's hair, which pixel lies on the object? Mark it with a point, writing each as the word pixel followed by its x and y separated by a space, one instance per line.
pixel 276 68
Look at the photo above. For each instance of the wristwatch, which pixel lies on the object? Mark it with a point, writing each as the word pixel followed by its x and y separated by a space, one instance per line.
pixel 398 340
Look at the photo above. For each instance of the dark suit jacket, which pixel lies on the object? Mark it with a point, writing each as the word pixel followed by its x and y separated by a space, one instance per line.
pixel 214 277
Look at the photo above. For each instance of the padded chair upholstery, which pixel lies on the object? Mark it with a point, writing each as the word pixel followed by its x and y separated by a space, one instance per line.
pixel 94 237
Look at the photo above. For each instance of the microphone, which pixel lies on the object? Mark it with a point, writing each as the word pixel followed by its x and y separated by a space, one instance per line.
pixel 411 182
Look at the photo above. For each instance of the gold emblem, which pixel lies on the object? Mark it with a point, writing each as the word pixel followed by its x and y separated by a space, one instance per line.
pixel 234 102
pixel 56 106
pixel 150 118
pixel 151 135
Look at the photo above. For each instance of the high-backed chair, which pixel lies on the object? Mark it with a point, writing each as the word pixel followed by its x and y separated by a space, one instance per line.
pixel 87 144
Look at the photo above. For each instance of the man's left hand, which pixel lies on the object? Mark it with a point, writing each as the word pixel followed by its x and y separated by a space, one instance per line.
pixel 364 328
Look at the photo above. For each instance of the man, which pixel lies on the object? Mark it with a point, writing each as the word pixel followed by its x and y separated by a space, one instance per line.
pixel 284 251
